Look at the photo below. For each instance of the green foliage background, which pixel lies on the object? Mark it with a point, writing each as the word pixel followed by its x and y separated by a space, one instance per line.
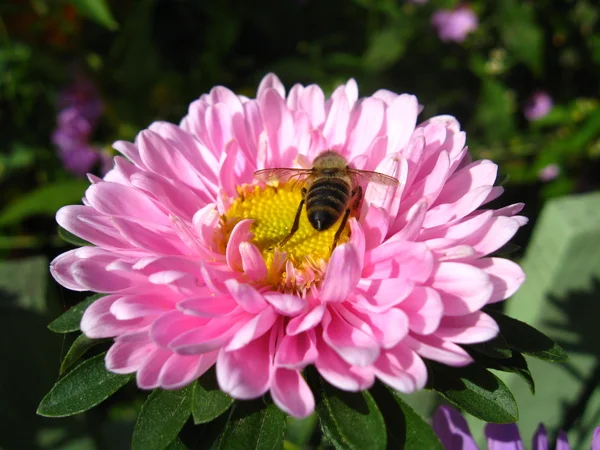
pixel 151 58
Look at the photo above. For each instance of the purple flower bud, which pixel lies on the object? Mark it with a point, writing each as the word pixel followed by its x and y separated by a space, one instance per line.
pixel 454 25
pixel 538 105
pixel 549 173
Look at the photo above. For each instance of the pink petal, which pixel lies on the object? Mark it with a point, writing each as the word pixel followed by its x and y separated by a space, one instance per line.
pixel 279 126
pixel 381 295
pixel 343 272
pixel 306 321
pixel 77 220
pixel 339 373
pixel 424 309
pixel 253 263
pixel 505 275
pixel 210 336
pixel 365 123
pixel 149 371
pixel 98 322
pixel 246 373
pixel 296 352
pixel 180 370
pixel 334 130
pixel 253 329
pixel 286 304
pixel 402 369
pixel 208 306
pixel 291 393
pixel 401 118
pixel 432 347
pixel 270 81
pixel 468 329
pixel 126 357
pixel 118 200
pixel 171 325
pixel 353 345
pixel 240 233
pixel 463 287
pixel 246 296
pixel 136 306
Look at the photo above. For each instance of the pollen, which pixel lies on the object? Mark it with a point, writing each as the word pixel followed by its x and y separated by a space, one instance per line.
pixel 273 209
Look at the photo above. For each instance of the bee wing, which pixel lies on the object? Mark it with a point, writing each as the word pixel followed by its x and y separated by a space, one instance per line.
pixel 282 174
pixel 375 177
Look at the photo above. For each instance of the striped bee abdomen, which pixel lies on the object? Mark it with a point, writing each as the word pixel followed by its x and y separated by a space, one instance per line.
pixel 326 200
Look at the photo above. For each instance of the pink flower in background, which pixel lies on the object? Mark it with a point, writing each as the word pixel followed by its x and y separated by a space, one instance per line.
pixel 453 431
pixel 80 107
pixel 538 105
pixel 549 173
pixel 454 25
pixel 187 248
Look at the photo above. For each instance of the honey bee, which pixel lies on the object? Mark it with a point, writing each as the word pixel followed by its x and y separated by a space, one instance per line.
pixel 330 188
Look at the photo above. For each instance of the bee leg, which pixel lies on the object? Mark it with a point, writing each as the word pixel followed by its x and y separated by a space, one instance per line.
pixel 357 193
pixel 338 233
pixel 296 224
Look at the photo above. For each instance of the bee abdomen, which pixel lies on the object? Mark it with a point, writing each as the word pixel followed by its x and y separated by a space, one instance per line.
pixel 326 200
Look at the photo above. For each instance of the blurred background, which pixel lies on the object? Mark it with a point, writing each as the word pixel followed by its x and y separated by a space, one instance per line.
pixel 522 77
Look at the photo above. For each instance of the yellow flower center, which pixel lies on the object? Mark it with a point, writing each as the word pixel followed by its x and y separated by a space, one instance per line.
pixel 273 209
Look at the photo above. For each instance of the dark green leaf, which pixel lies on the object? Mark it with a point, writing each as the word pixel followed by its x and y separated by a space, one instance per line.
pixel 300 431
pixel 81 345
pixel 45 200
pixel 515 364
pixel 526 339
pixel 96 10
pixel 70 319
pixel 476 391
pixel 254 425
pixel 521 33
pixel 176 445
pixel 209 402
pixel 161 418
pixel 496 348
pixel 69 237
pixel 349 420
pixel 23 284
pixel 405 428
pixel 81 389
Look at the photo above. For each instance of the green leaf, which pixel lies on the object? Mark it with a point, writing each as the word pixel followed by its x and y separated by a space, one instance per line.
pixel 81 389
pixel 496 348
pixel 44 201
pixel 69 237
pixel 23 283
pixel 70 319
pixel 349 420
pixel 96 10
pixel 176 445
pixel 526 339
pixel 254 425
pixel 81 345
pixel 515 364
pixel 476 391
pixel 405 428
pixel 300 431
pixel 521 33
pixel 208 401
pixel 161 418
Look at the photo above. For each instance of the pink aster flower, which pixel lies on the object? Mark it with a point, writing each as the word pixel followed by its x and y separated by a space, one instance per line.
pixel 454 24
pixel 186 247
pixel 453 431
pixel 538 106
